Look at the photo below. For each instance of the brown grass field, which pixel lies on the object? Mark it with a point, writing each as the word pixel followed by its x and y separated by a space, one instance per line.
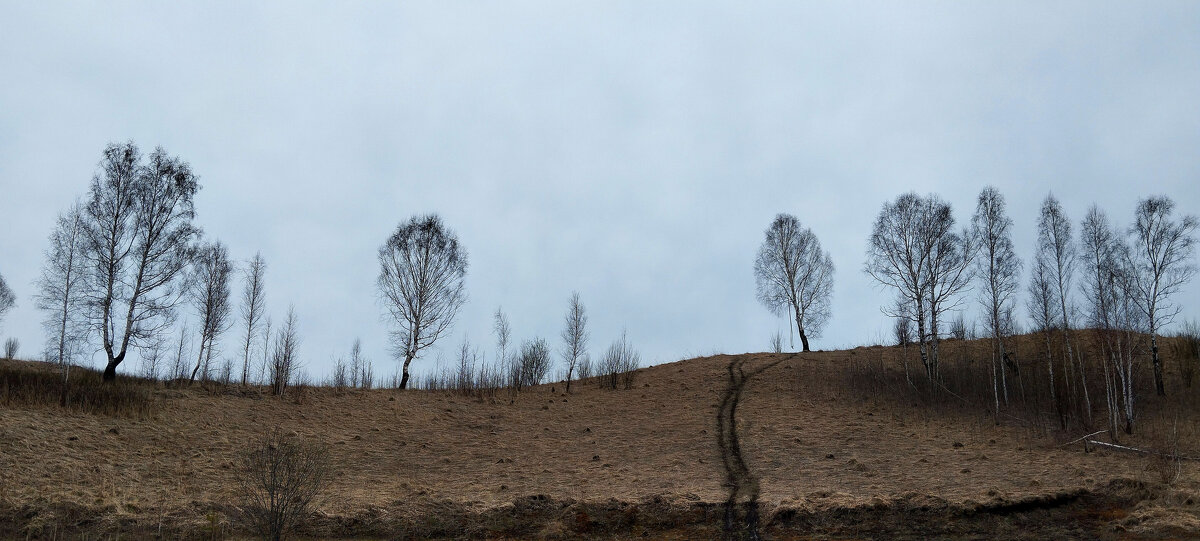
pixel 839 449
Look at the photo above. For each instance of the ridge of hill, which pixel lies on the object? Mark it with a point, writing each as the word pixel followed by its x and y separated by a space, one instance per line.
pixel 826 453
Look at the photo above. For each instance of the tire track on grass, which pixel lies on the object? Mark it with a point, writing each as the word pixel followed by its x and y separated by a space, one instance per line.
pixel 739 480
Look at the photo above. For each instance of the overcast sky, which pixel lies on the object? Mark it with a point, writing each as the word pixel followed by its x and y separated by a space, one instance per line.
pixel 634 152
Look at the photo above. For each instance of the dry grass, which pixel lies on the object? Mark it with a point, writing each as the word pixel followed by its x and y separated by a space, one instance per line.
pixel 837 439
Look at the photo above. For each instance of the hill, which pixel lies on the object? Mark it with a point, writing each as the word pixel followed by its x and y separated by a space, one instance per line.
pixel 824 444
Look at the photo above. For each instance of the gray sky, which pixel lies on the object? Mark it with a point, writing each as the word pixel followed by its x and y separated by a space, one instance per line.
pixel 634 151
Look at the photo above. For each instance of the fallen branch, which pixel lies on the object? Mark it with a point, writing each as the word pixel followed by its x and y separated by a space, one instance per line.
pixel 1083 438
pixel 1142 451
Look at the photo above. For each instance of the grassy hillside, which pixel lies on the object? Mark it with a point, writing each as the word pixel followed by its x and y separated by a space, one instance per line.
pixel 835 445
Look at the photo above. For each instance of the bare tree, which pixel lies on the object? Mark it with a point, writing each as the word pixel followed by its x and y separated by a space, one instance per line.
pixel 138 229
pixel 1057 249
pixel 534 361
pixel 11 346
pixel 358 365
pixel 793 273
pixel 210 297
pixel 575 336
pixel 948 268
pixel 1105 288
pixel 914 250
pixel 618 364
pixel 999 270
pixel 284 362
pixel 7 298
pixel 253 307
pixel 60 292
pixel 1044 311
pixel 1161 261
pixel 421 275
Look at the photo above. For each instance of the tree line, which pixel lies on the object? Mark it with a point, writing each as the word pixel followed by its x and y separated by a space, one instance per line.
pixel 128 258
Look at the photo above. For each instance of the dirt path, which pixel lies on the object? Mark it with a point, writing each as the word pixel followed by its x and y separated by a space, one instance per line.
pixel 739 480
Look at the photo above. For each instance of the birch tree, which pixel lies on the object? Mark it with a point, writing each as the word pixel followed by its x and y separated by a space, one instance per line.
pixel 1105 289
pixel 998 269
pixel 253 308
pixel 60 289
pixel 60 293
pixel 1058 250
pixel 575 336
pixel 1161 263
pixel 422 267
pixel 138 233
pixel 210 297
pixel 794 274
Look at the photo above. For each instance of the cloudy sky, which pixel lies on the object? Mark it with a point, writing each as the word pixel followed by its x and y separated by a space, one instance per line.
pixel 631 151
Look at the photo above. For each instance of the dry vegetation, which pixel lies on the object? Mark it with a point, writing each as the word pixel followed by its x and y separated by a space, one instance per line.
pixel 840 444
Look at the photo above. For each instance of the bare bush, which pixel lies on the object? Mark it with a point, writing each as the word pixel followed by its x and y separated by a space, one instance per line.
pixel 339 379
pixel 284 364
pixel 281 478
pixel 10 348
pixel 958 328
pixel 777 342
pixel 534 362
pixel 618 365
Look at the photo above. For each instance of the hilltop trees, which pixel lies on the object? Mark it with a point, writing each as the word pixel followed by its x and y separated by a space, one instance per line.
pixel 210 297
pixel 1160 261
pixel 253 308
pixel 914 250
pixel 575 336
pixel 792 272
pixel 1057 252
pixel 137 236
pixel 60 288
pixel 421 275
pixel 998 269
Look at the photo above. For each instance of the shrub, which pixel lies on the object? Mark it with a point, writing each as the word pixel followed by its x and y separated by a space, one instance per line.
pixel 534 362
pixel 618 365
pixel 10 348
pixel 281 477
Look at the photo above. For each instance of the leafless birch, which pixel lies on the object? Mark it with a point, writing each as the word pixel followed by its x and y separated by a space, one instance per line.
pixel 1161 263
pixel 794 274
pixel 421 275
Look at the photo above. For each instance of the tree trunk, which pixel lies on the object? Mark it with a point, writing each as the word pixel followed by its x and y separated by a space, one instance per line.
pixel 570 372
pixel 800 330
pixel 1158 372
pixel 110 371
pixel 408 357
pixel 199 361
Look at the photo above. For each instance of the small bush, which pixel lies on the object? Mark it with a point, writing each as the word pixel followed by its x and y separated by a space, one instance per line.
pixel 10 348
pixel 618 365
pixel 280 480
pixel 534 362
